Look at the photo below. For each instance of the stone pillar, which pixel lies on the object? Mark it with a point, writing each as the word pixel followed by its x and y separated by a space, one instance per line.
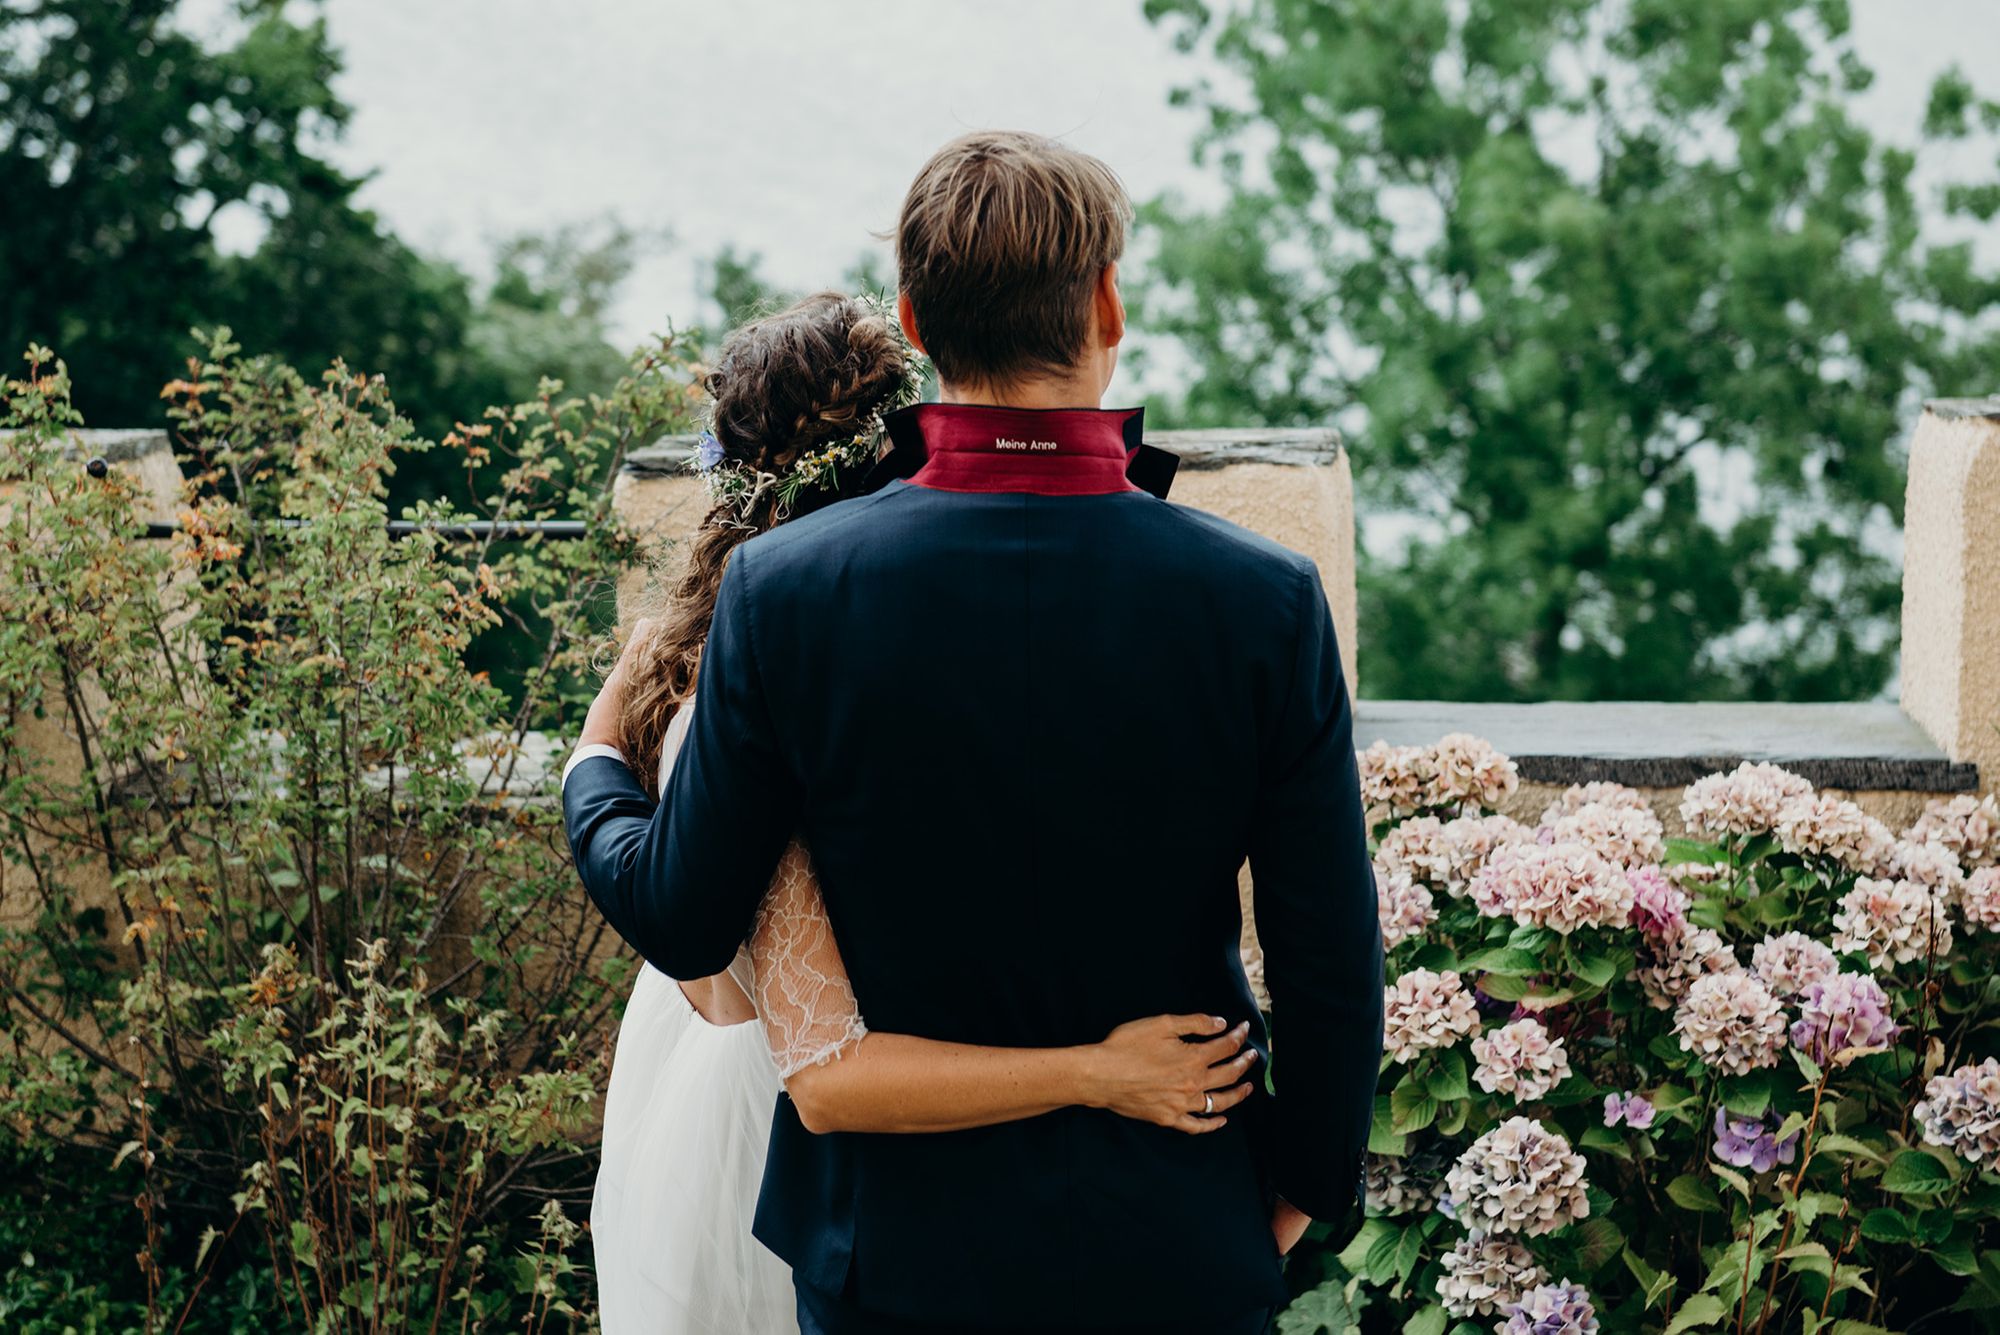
pixel 1951 581
pixel 1292 487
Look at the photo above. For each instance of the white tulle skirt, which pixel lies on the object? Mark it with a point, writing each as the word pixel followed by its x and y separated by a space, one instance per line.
pixel 686 1120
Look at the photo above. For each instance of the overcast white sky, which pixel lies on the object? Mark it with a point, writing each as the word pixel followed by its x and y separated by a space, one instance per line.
pixel 791 127
pixel 783 127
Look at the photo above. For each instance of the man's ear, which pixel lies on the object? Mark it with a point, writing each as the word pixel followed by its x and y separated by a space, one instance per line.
pixel 906 316
pixel 1110 307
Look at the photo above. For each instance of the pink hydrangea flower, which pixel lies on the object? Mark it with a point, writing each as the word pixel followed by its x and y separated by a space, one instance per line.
pixel 1394 1184
pixel 1892 922
pixel 1731 1022
pixel 1930 865
pixel 1658 905
pixel 1601 794
pixel 1979 899
pixel 1747 800
pixel 1394 778
pixel 1485 1275
pixel 1470 841
pixel 1562 887
pixel 1966 825
pixel 1520 1177
pixel 1791 963
pixel 1824 826
pixel 1625 836
pixel 1423 1010
pixel 1519 1059
pixel 1402 906
pixel 1670 964
pixel 1468 771
pixel 1960 1112
pixel 1416 849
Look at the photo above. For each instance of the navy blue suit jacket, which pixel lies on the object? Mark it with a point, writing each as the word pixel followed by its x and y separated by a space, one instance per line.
pixel 1030 739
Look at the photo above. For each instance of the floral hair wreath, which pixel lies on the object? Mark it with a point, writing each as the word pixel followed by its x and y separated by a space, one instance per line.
pixel 741 486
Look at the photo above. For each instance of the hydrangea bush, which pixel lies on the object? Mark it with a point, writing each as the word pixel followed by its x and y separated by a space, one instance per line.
pixel 1737 1080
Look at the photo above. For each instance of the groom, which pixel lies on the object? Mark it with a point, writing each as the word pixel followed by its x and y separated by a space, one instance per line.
pixel 1030 721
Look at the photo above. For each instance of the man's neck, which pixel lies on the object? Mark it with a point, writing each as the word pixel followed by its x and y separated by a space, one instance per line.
pixel 1043 392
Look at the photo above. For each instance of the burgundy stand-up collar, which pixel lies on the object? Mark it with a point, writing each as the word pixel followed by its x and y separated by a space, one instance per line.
pixel 1041 451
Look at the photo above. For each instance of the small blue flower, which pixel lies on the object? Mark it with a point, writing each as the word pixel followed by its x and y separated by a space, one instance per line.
pixel 707 451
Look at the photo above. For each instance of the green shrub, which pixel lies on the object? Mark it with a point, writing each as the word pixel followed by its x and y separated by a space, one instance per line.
pixel 297 977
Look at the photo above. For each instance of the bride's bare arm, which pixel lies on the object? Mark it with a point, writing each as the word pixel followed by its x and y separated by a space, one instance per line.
pixel 845 1077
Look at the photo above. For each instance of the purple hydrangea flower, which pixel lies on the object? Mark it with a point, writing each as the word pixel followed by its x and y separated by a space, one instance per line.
pixel 1630 1108
pixel 1560 1308
pixel 1846 1011
pixel 707 451
pixel 1748 1142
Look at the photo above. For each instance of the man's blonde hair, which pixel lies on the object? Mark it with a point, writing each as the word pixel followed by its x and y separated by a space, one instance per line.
pixel 999 247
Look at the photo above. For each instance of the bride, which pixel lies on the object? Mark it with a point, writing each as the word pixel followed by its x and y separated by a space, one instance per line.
pixel 798 400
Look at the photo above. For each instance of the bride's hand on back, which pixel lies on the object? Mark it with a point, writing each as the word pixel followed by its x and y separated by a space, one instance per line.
pixel 1175 1071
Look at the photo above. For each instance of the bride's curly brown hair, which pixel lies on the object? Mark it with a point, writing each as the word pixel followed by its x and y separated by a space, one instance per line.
pixel 807 376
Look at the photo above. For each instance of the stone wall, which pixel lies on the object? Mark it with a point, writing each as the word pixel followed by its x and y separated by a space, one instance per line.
pixel 146 459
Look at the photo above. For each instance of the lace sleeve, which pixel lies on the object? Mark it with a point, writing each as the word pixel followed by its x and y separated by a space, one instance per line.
pixel 802 993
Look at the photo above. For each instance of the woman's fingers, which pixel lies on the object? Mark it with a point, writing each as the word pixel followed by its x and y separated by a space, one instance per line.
pixel 1228 1098
pixel 1199 1121
pixel 1231 1047
pixel 1192 1026
pixel 1233 1069
pixel 1199 1126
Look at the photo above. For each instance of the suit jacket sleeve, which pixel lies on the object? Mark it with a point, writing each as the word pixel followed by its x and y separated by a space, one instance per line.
pixel 1315 905
pixel 681 881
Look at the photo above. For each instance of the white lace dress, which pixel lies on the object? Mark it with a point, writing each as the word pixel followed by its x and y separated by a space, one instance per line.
pixel 688 1114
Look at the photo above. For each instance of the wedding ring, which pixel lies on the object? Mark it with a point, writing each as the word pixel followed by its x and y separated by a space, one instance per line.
pixel 1207 1104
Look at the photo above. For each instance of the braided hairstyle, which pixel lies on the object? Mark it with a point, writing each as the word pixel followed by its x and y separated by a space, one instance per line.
pixel 783 386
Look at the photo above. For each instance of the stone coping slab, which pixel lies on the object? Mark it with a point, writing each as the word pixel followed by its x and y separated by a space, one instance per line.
pixel 1647 744
pixel 1955 409
pixel 1853 747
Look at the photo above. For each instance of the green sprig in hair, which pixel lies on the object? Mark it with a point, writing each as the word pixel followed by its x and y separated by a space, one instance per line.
pixel 736 483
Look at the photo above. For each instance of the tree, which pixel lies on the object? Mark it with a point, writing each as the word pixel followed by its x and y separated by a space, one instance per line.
pixel 548 310
pixel 1617 300
pixel 123 138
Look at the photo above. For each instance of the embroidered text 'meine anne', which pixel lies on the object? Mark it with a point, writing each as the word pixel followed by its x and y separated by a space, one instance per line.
pixel 1036 451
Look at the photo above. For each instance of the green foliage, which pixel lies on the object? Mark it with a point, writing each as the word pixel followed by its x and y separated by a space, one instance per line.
pixel 1618 302
pixel 292 946
pixel 1863 1218
pixel 124 138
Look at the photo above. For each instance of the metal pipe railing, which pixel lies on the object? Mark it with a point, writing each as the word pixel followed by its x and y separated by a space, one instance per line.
pixel 469 530
pixel 458 530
